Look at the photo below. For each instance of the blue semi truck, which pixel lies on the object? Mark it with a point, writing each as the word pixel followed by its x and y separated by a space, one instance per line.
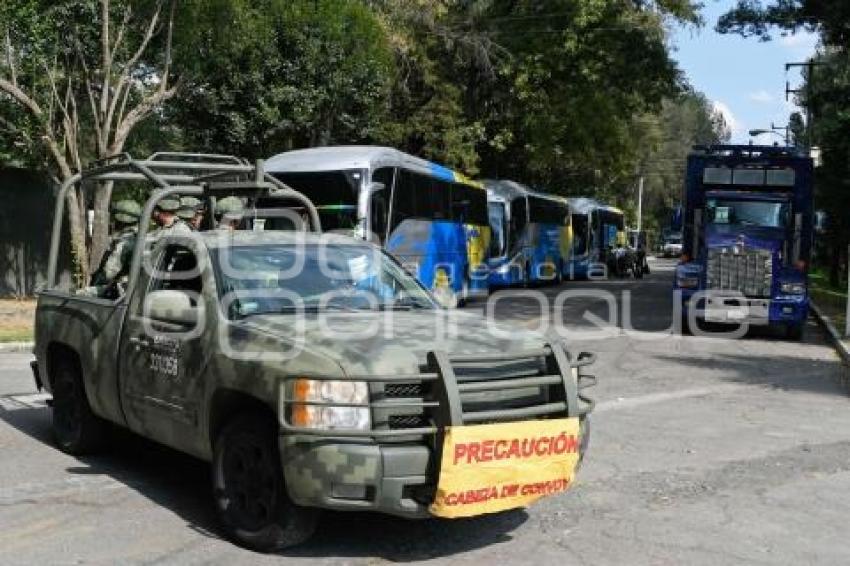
pixel 747 236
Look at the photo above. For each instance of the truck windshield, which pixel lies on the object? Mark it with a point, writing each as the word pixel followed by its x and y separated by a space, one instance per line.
pixel 262 279
pixel 738 212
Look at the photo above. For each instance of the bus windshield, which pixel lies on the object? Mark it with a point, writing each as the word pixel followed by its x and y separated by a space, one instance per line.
pixel 334 193
pixel 579 234
pixel 498 241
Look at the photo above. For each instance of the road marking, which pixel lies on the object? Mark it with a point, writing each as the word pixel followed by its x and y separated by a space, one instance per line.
pixel 24 401
pixel 653 398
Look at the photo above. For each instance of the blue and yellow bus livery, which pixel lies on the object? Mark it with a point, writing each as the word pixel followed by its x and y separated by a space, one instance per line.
pixel 531 235
pixel 431 218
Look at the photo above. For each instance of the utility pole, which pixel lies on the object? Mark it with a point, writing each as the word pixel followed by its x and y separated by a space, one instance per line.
pixel 810 67
pixel 787 130
pixel 640 203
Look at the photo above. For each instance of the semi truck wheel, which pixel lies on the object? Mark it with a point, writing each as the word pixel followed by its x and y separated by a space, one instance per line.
pixel 77 429
pixel 794 331
pixel 249 490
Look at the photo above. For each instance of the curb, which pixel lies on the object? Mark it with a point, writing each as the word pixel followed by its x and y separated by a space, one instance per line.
pixel 839 344
pixel 8 347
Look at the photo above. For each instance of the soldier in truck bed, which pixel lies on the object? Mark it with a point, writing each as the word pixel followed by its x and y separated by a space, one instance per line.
pixel 111 275
pixel 191 212
pixel 166 219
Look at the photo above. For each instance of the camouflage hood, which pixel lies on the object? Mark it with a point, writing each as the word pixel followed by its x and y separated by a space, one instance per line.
pixel 372 343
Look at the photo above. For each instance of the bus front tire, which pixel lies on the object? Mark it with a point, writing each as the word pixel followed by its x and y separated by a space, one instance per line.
pixel 463 298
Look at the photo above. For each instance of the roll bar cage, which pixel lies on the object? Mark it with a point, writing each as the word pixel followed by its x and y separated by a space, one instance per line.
pixel 171 173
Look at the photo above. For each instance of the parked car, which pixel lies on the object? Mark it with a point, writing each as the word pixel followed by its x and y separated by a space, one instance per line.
pixel 672 246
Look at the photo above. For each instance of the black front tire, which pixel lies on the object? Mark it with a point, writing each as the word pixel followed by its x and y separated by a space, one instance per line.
pixel 527 282
pixel 76 428
pixel 794 332
pixel 249 489
pixel 463 298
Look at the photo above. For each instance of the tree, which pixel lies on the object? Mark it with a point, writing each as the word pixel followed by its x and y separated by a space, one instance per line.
pixel 272 75
pixel 831 18
pixel 542 92
pixel 667 138
pixel 826 96
pixel 74 86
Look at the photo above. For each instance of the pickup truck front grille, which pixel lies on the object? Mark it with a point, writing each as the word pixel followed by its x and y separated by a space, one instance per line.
pixel 401 390
pixel 453 390
pixel 397 422
pixel 749 272
pixel 484 388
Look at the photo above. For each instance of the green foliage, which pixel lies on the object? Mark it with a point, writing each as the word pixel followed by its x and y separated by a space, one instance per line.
pixel 826 95
pixel 684 121
pixel 278 74
pixel 574 96
pixel 753 18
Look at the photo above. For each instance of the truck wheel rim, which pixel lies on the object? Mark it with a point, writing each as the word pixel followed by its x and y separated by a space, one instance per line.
pixel 250 484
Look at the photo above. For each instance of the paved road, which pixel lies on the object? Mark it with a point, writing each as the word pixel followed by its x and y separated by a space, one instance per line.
pixel 704 451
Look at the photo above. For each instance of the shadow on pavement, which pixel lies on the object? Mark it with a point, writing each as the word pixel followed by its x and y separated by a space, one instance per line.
pixel 821 376
pixel 181 484
pixel 398 540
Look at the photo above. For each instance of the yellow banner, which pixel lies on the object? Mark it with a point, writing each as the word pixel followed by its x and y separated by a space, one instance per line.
pixel 494 467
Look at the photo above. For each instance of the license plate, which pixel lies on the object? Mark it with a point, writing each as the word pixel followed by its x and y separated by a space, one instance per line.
pixel 495 467
pixel 718 315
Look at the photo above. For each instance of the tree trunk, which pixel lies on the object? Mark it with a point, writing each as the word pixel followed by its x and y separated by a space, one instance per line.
pixel 100 225
pixel 77 229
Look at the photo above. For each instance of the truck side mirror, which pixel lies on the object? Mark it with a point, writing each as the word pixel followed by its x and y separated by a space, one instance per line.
pixel 170 306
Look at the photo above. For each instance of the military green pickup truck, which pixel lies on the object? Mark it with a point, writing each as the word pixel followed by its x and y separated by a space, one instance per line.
pixel 310 369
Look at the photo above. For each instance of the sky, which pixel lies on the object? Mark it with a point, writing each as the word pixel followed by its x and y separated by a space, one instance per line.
pixel 743 77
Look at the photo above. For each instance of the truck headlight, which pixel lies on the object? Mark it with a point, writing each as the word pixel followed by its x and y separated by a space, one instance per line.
pixel 330 404
pixel 687 282
pixel 793 288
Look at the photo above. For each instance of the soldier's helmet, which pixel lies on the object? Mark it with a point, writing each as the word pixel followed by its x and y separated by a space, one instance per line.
pixel 189 206
pixel 231 207
pixel 126 211
pixel 169 204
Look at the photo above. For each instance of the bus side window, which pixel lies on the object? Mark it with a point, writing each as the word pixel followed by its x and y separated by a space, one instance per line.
pixel 441 192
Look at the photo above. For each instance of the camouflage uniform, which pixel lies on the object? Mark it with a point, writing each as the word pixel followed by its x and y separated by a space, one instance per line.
pixel 111 275
pixel 228 211
pixel 190 207
pixel 177 226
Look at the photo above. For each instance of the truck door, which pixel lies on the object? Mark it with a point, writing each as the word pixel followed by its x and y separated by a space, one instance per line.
pixel 162 362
